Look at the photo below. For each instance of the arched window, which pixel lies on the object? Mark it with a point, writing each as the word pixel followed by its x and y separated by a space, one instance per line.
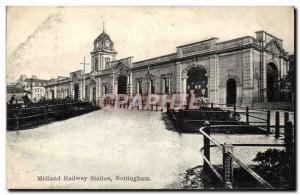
pixel 272 82
pixel 197 82
pixel 139 87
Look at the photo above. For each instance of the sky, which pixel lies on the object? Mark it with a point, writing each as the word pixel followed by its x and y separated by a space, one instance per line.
pixel 52 41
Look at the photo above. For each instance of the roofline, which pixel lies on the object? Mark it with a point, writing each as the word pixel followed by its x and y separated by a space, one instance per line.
pixel 268 34
pixel 154 58
pixel 198 42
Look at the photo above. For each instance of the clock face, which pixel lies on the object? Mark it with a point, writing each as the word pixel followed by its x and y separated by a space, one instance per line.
pixel 107 43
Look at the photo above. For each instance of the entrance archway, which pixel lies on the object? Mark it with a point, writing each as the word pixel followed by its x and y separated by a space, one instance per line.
pixel 122 84
pixel 76 91
pixel 231 92
pixel 272 82
pixel 197 82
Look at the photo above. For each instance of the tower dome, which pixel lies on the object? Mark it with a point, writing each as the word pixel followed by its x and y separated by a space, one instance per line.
pixel 104 43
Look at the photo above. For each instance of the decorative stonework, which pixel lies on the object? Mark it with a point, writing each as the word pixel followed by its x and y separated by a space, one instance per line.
pixel 194 65
pixel 230 76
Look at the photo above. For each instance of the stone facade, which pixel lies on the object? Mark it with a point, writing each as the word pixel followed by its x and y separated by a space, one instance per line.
pixel 241 71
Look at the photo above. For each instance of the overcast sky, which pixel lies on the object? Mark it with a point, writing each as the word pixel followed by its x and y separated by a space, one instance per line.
pixel 52 41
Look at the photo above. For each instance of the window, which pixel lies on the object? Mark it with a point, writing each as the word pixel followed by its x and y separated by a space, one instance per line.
pixel 152 85
pixel 166 85
pixel 105 89
pixel 107 62
pixel 96 64
pixel 139 86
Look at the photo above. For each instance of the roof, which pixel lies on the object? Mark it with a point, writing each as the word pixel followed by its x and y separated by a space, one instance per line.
pixel 102 36
pixel 15 89
pixel 35 80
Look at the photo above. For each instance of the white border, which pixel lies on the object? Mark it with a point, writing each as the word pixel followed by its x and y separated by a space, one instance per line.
pixel 5 3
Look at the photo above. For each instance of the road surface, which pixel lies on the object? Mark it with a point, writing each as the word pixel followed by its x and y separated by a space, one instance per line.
pixel 106 145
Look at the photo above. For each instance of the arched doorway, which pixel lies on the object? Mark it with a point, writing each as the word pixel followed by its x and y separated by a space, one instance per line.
pixel 76 91
pixel 197 82
pixel 231 92
pixel 122 84
pixel 272 82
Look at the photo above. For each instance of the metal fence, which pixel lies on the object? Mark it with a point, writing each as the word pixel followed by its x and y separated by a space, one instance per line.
pixel 26 117
pixel 226 177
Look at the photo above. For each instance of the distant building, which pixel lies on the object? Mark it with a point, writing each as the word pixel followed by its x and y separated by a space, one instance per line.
pixel 59 88
pixel 240 71
pixel 35 86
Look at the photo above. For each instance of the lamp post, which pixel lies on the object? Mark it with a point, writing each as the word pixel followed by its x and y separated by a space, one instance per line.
pixel 83 90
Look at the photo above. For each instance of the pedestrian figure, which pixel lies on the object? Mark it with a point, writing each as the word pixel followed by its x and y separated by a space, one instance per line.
pixel 26 100
pixel 12 99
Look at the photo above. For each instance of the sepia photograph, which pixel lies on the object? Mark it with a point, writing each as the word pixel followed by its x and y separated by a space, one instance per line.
pixel 184 98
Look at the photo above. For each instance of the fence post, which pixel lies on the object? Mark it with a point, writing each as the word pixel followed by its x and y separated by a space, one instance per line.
pixel 268 120
pixel 212 105
pixel 247 115
pixel 78 107
pixel 286 119
pixel 46 112
pixel 289 137
pixel 234 112
pixel 277 124
pixel 227 166
pixel 156 106
pixel 206 143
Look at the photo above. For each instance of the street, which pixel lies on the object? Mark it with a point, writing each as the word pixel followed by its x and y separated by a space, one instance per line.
pixel 111 144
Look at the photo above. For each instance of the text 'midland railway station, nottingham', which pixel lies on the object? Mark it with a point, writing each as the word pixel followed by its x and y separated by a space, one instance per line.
pixel 241 71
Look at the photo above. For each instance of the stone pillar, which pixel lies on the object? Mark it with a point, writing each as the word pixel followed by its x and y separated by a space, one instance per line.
pixel 247 91
pixel 163 87
pixel 184 88
pixel 213 79
pixel 264 77
pixel 178 77
pixel 113 84
pixel 131 90
pixel 55 92
pixel 80 91
pixel 149 87
pixel 72 89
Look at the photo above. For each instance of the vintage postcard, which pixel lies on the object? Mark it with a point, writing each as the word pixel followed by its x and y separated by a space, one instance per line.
pixel 150 98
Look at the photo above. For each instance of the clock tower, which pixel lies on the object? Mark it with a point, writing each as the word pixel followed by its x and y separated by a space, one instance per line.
pixel 103 52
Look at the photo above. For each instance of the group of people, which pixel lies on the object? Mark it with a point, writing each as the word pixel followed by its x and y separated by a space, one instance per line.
pixel 25 98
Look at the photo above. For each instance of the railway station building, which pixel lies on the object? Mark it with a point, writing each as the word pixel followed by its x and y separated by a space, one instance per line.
pixel 240 71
